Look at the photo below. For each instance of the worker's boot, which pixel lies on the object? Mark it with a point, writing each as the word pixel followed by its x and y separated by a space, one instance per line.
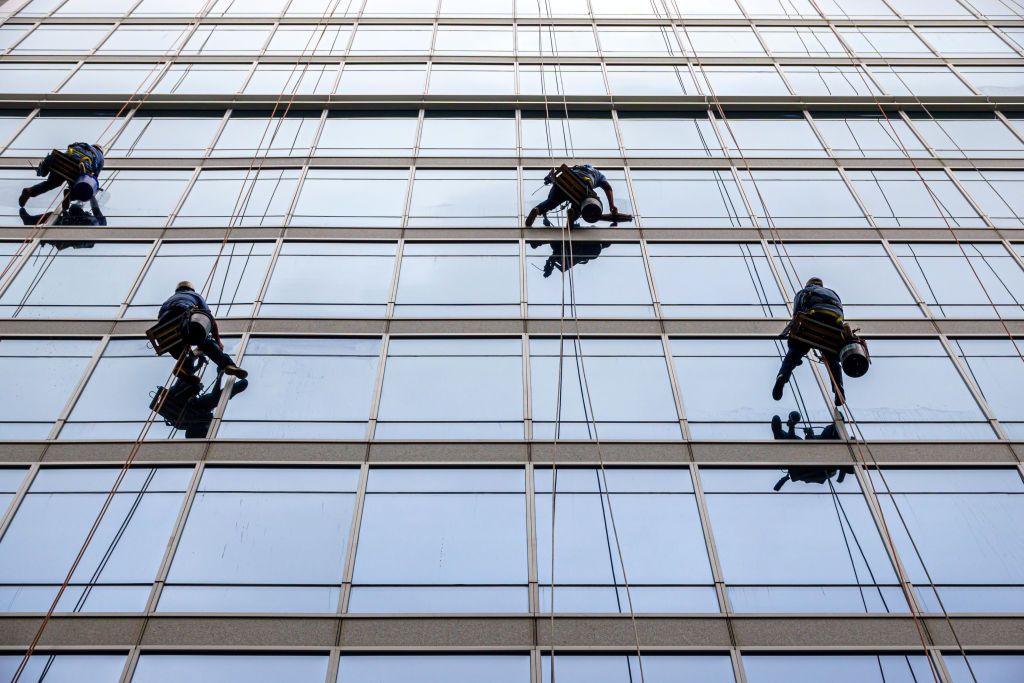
pixel 780 384
pixel 532 217
pixel 839 398
pixel 235 371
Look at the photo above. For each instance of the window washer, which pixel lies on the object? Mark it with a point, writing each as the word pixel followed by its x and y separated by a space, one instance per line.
pixel 582 252
pixel 82 183
pixel 591 179
pixel 822 305
pixel 186 407
pixel 811 474
pixel 186 300
pixel 75 215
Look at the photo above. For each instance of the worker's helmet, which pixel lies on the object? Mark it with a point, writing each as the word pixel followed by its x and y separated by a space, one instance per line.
pixel 84 188
pixel 185 284
pixel 815 281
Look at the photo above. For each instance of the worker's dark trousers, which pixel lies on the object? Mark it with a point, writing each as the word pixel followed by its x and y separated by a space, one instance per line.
pixel 795 356
pixel 208 346
pixel 52 182
pixel 555 198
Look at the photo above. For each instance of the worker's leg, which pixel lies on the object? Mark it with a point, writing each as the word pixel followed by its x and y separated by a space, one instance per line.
pixel 835 369
pixel 223 361
pixel 52 182
pixel 794 357
pixel 555 197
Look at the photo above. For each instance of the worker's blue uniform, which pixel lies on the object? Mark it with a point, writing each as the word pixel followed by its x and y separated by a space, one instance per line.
pixel 822 304
pixel 184 300
pixel 91 155
pixel 587 173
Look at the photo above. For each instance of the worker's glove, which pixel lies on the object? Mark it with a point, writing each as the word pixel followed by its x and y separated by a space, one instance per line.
pixel 549 178
pixel 43 168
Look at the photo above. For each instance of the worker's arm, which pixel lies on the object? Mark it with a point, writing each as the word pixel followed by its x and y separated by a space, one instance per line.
pixel 607 187
pixel 95 206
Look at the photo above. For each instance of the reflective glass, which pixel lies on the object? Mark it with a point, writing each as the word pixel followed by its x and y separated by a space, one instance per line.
pixel 627 8
pixel 791 9
pixel 831 560
pixel 914 199
pixel 54 131
pixel 65 668
pixel 949 281
pixel 801 199
pixel 552 8
pixel 402 8
pixel 654 135
pixel 23 77
pixel 120 78
pixel 884 42
pixel 801 41
pixel 352 198
pixel 996 9
pixel 472 79
pixel 969 137
pixel 292 39
pixel 1000 194
pixel 452 389
pixel 568 79
pixel 837 668
pixel 248 668
pixel 250 8
pixel 166 8
pixel 63 39
pixel 644 81
pixel 778 136
pixel 239 198
pixel 985 668
pixel 36 8
pixel 868 135
pixel 967 42
pixel 744 285
pixel 263 540
pixel 594 279
pixel 230 291
pixel 930 9
pixel 452 280
pixel 274 79
pixel 862 274
pixel 382 79
pixel 996 367
pixel 742 407
pixel 626 668
pixel 963 535
pixel 40 375
pixel 245 135
pixel 610 389
pixel 157 39
pixel 203 79
pixel 474 40
pixel 829 81
pixel 392 39
pixel 351 134
pixel 467 134
pixel 121 561
pixel 331 280
pixel 709 8
pixel 689 199
pixel 78 282
pixel 742 80
pixel 165 136
pixel 12 182
pixel 463 198
pixel 586 135
pixel 454 533
pixel 638 41
pixel 550 40
pixel 715 41
pixel 923 81
pixel 856 9
pixel 466 668
pixel 94 8
pixel 141 198
pixel 658 529
pixel 317 387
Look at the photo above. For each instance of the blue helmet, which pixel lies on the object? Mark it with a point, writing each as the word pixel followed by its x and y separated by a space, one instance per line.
pixel 84 188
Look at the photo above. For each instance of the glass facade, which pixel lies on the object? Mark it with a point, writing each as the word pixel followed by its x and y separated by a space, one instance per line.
pixel 468 450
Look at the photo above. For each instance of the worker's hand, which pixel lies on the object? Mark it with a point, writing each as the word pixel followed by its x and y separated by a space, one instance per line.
pixel 614 209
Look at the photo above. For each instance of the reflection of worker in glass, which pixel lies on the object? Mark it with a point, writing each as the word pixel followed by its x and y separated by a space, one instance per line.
pixel 565 255
pixel 829 432
pixel 74 215
pixel 185 406
pixel 81 187
pixel 823 305
pixel 813 474
pixel 202 325
pixel 592 178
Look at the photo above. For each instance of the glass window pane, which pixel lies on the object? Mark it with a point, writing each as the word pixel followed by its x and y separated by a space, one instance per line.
pixel 868 135
pixel 586 135
pixel 758 137
pixel 65 668
pixel 837 669
pixel 953 528
pixel 661 540
pixel 90 8
pixel 967 42
pixel 801 198
pixel 913 199
pixel 54 131
pixel 62 39
pixel 553 8
pixel 450 668
pixel 813 571
pixel 923 81
pixel 801 41
pixel 328 383
pixel 644 81
pixel 159 39
pixel 331 279
pixel 274 79
pixel 249 668
pixel 458 281
pixel 949 281
pixel 249 134
pixel 741 408
pixel 239 197
pixel 88 280
pixel 141 198
pixel 463 198
pixel 120 78
pixel 230 291
pixel 392 40
pixel 614 285
pixel 715 41
pixel 995 366
pixel 350 134
pixel 402 8
pixel 617 41
pixel 226 39
pixel 475 40
pixel 471 79
pixel 626 668
pixel 985 668
pixel 25 77
pixel 438 543
pixel 121 561
pixel 995 80
pixel 654 135
pixel 969 137
pixel 862 274
pixel 686 199
pixel 40 375
pixel 856 9
pixel 794 9
pixel 382 79
pixel 547 40
pixel 829 81
pixel 742 80
pixel 467 134
pixel 929 9
pixel 251 8
pixel 884 42
pixel 626 391
pixel 169 8
pixel 452 389
pixel 998 193
pixel 744 283
pixel 165 136
pixel 202 79
pixel 471 8
pixel 352 198
pixel 296 39
pixel 276 546
pixel 570 79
